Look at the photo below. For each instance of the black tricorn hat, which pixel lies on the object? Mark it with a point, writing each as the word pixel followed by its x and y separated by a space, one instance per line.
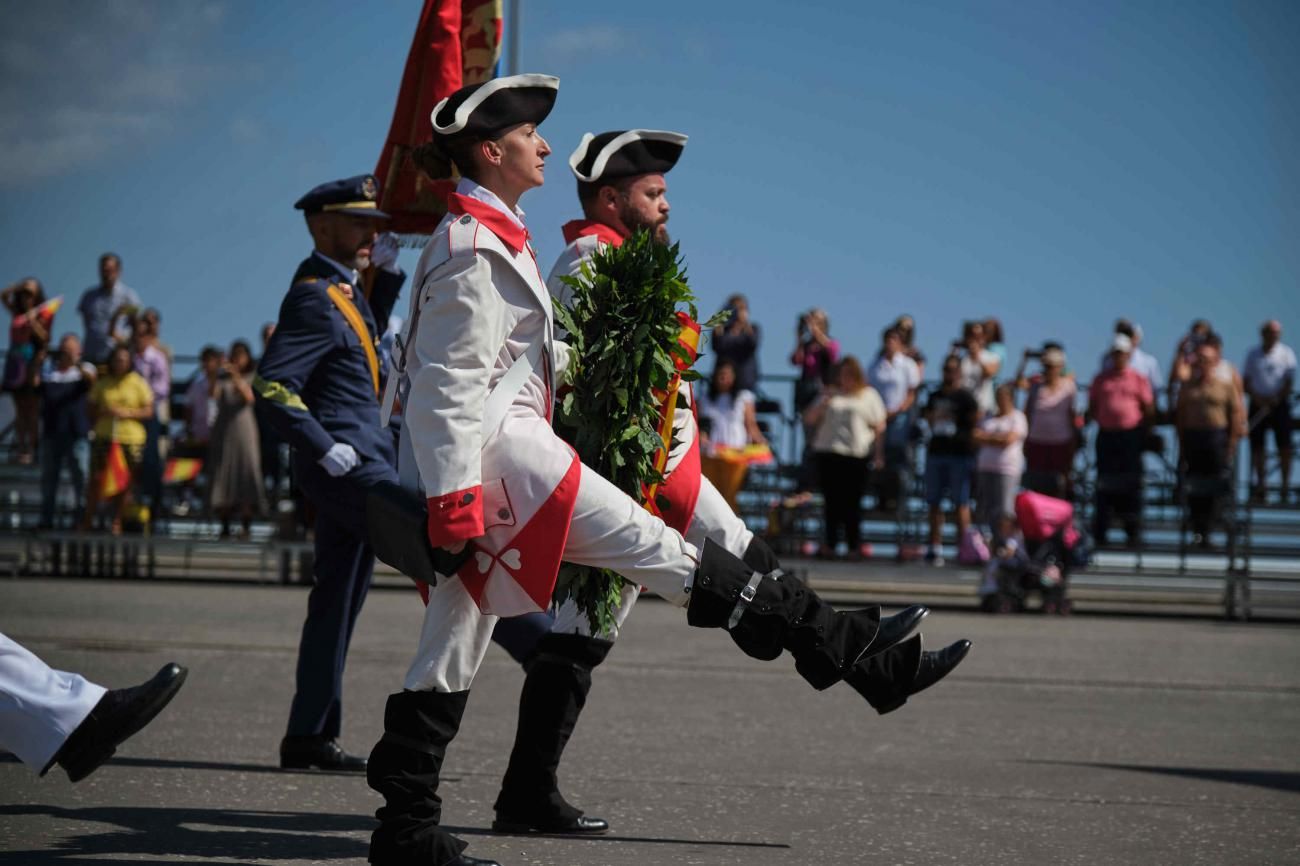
pixel 487 109
pixel 626 153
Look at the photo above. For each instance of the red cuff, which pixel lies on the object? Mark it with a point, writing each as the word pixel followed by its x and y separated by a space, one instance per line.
pixel 456 517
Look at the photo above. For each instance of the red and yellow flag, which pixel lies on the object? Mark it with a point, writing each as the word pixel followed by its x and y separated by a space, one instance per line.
pixel 182 469
pixel 457 42
pixel 116 477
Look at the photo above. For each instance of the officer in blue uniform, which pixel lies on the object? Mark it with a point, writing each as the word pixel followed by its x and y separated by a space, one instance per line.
pixel 318 386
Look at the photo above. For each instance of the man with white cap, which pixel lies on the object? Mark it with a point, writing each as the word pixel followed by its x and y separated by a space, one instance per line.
pixel 507 500
pixel 1141 362
pixel 1122 403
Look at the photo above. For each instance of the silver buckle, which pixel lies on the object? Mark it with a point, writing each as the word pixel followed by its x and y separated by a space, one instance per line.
pixel 746 596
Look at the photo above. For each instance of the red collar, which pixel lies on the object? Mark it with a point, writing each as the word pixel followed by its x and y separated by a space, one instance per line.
pixel 575 229
pixel 510 232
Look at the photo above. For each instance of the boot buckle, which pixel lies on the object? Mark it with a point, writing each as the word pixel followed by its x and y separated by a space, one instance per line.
pixel 746 596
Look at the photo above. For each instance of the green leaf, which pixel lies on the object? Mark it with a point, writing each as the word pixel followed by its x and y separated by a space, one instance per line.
pixel 621 320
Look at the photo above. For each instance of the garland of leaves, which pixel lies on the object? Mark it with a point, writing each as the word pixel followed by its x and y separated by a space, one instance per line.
pixel 622 324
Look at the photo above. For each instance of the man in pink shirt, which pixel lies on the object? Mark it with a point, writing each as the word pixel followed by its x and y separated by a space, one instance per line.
pixel 1122 404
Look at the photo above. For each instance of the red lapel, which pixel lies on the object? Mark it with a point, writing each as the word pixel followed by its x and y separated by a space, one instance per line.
pixel 511 234
pixel 581 228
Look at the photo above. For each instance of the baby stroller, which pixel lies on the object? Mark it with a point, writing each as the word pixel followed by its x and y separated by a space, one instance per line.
pixel 1038 563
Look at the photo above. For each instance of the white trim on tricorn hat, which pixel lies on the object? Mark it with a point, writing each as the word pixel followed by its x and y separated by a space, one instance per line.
pixel 613 146
pixel 461 117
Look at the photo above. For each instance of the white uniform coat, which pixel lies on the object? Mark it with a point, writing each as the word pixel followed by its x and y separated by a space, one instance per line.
pixel 520 492
pixel 479 304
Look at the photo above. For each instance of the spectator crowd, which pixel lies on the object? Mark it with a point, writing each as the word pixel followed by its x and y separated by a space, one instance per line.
pixel 985 432
pixel 94 408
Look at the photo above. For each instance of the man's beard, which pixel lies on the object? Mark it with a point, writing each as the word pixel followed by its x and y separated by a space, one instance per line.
pixel 658 230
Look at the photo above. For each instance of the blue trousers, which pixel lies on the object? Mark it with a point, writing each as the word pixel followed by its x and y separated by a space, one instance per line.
pixel 58 452
pixel 343 568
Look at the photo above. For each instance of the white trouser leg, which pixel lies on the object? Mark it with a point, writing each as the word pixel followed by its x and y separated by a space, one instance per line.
pixel 39 706
pixel 453 641
pixel 609 530
pixel 715 521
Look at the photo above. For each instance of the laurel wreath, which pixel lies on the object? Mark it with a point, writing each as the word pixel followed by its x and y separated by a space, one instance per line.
pixel 622 324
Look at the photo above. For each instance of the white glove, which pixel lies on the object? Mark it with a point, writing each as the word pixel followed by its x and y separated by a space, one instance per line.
pixel 340 459
pixel 383 252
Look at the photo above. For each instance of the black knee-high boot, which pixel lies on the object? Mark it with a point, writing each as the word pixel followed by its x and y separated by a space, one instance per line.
pixel 766 611
pixel 888 679
pixel 555 691
pixel 404 767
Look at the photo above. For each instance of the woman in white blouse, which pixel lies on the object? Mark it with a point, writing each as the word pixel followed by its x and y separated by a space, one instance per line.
pixel 727 412
pixel 849 417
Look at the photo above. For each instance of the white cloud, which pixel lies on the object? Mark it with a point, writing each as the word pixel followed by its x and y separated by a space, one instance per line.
pixel 582 43
pixel 81 82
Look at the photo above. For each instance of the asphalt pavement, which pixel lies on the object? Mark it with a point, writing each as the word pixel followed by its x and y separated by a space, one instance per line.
pixel 1079 740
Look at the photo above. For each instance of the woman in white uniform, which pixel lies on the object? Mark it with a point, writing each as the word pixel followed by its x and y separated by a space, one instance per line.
pixel 477 379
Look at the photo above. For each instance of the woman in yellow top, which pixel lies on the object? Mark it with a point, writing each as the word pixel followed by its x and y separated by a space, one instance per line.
pixel 120 401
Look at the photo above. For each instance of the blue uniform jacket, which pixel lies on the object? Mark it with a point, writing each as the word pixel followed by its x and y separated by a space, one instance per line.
pixel 313 383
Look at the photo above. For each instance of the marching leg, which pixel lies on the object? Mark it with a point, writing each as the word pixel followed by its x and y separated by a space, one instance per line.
pixel 554 693
pixel 764 612
pixel 39 706
pixel 404 767
pixel 419 723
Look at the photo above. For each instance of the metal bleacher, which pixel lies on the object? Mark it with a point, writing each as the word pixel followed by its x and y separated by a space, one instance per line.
pixel 1254 566
pixel 1254 558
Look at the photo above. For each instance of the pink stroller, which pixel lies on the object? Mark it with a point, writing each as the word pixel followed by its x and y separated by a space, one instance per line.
pixel 1042 565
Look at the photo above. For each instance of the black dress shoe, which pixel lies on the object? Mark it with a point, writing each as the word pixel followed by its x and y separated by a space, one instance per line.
pixel 938 664
pixel 580 826
pixel 466 860
pixel 320 753
pixel 119 714
pixel 895 629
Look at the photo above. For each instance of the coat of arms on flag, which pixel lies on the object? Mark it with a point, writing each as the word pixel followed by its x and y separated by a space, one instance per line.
pixel 457 42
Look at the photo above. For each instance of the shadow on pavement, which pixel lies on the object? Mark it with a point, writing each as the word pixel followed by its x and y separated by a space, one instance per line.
pixel 643 840
pixel 229 834
pixel 233 834
pixel 222 766
pixel 1277 780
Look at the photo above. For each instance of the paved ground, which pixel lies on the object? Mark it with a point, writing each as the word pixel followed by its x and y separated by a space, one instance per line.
pixel 1060 741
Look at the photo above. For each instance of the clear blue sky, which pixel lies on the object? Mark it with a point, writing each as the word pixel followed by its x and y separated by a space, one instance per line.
pixel 1054 164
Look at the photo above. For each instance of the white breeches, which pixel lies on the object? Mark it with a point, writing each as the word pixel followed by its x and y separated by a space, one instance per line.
pixel 608 530
pixel 39 706
pixel 714 520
